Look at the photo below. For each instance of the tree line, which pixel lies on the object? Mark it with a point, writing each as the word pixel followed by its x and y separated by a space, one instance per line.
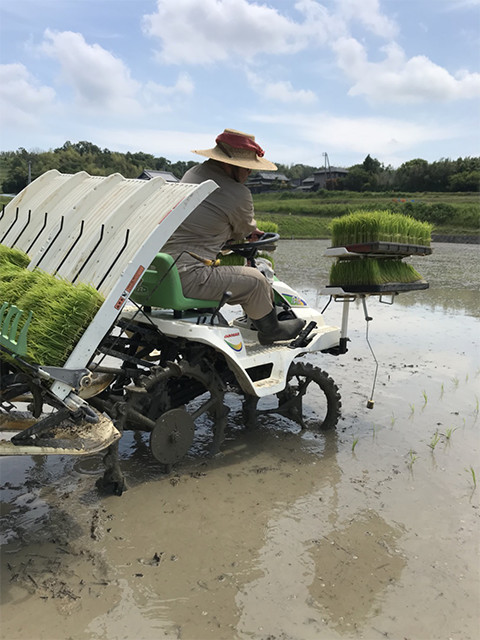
pixel 18 167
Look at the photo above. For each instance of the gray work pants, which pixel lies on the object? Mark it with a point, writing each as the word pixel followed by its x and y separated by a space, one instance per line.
pixel 247 285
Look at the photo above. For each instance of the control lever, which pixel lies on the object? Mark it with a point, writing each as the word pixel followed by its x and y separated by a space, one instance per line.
pixel 302 339
pixel 226 296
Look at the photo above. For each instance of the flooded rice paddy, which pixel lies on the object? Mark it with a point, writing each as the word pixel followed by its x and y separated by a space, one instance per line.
pixel 370 531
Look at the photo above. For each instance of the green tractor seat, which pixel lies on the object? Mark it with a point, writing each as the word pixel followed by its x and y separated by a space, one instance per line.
pixel 160 286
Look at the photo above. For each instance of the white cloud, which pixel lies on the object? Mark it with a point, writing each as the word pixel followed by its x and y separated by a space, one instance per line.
pixel 98 78
pixel 319 24
pixel 367 12
pixel 184 86
pixel 193 32
pixel 101 81
pixel 281 91
pixel 171 144
pixel 398 79
pixel 196 32
pixel 22 99
pixel 462 4
pixel 158 98
pixel 383 137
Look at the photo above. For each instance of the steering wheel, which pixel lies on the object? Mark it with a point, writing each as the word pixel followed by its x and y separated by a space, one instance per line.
pixel 267 238
pixel 249 250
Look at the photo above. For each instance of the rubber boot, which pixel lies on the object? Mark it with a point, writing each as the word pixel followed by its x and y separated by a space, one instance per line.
pixel 270 329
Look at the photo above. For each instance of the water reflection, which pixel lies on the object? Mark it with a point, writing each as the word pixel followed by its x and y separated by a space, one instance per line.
pixel 320 570
pixel 453 271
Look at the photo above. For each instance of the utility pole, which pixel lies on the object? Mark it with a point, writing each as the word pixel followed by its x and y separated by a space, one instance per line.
pixel 328 171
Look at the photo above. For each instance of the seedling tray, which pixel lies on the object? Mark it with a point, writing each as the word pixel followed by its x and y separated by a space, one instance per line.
pixel 390 248
pixel 389 287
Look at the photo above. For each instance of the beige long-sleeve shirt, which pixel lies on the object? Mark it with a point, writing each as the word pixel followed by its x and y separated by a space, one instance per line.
pixel 226 214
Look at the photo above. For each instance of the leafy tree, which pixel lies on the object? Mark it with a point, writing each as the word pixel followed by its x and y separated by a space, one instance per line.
pixel 357 179
pixel 413 175
pixel 462 174
pixel 179 168
pixel 467 181
pixel 372 165
pixel 296 171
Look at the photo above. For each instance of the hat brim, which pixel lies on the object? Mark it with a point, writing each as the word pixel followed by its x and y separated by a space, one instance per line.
pixel 255 164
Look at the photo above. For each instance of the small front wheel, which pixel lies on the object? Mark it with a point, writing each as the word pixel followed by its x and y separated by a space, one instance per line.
pixel 311 398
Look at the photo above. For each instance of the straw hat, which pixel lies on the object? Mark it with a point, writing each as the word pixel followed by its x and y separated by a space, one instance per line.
pixel 239 149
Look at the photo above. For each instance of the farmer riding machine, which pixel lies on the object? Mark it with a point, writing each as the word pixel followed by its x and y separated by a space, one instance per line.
pixel 96 336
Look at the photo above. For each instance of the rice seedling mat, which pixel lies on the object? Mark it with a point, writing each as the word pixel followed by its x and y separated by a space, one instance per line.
pixel 389 287
pixel 390 248
pixel 378 249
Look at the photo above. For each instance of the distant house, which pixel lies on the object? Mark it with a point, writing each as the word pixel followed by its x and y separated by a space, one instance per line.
pixel 307 184
pixel 320 178
pixel 267 181
pixel 148 174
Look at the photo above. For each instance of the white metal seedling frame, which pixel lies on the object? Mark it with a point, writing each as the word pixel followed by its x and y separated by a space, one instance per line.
pixel 102 231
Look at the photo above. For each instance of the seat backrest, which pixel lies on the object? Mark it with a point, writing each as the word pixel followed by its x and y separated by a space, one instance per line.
pixel 161 287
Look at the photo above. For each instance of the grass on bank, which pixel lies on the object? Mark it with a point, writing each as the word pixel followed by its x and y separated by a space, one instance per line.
pixel 300 215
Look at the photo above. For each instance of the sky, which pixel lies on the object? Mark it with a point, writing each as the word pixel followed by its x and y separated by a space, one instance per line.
pixel 314 81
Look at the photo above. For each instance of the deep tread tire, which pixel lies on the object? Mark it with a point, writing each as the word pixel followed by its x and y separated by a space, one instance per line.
pixel 304 374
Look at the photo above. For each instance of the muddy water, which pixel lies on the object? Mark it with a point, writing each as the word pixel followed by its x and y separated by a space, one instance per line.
pixel 367 532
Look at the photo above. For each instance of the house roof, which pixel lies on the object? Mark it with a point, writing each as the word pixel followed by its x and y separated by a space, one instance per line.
pixel 270 176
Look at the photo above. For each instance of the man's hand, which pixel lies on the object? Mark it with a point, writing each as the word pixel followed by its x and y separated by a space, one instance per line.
pixel 255 235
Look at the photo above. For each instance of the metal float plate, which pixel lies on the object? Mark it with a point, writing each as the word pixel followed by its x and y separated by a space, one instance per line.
pixel 172 436
pixel 64 438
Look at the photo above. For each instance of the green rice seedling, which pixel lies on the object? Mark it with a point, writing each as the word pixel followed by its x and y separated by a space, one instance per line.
pixel 442 390
pixel 471 470
pixel 372 271
pixel 435 440
pixel 13 256
pixel 412 409
pixel 392 419
pixel 376 226
pixel 15 281
pixel 425 398
pixel 411 458
pixel 232 259
pixel 267 226
pixel 455 381
pixel 61 313
pixel 354 444
pixel 476 405
pixel 449 432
